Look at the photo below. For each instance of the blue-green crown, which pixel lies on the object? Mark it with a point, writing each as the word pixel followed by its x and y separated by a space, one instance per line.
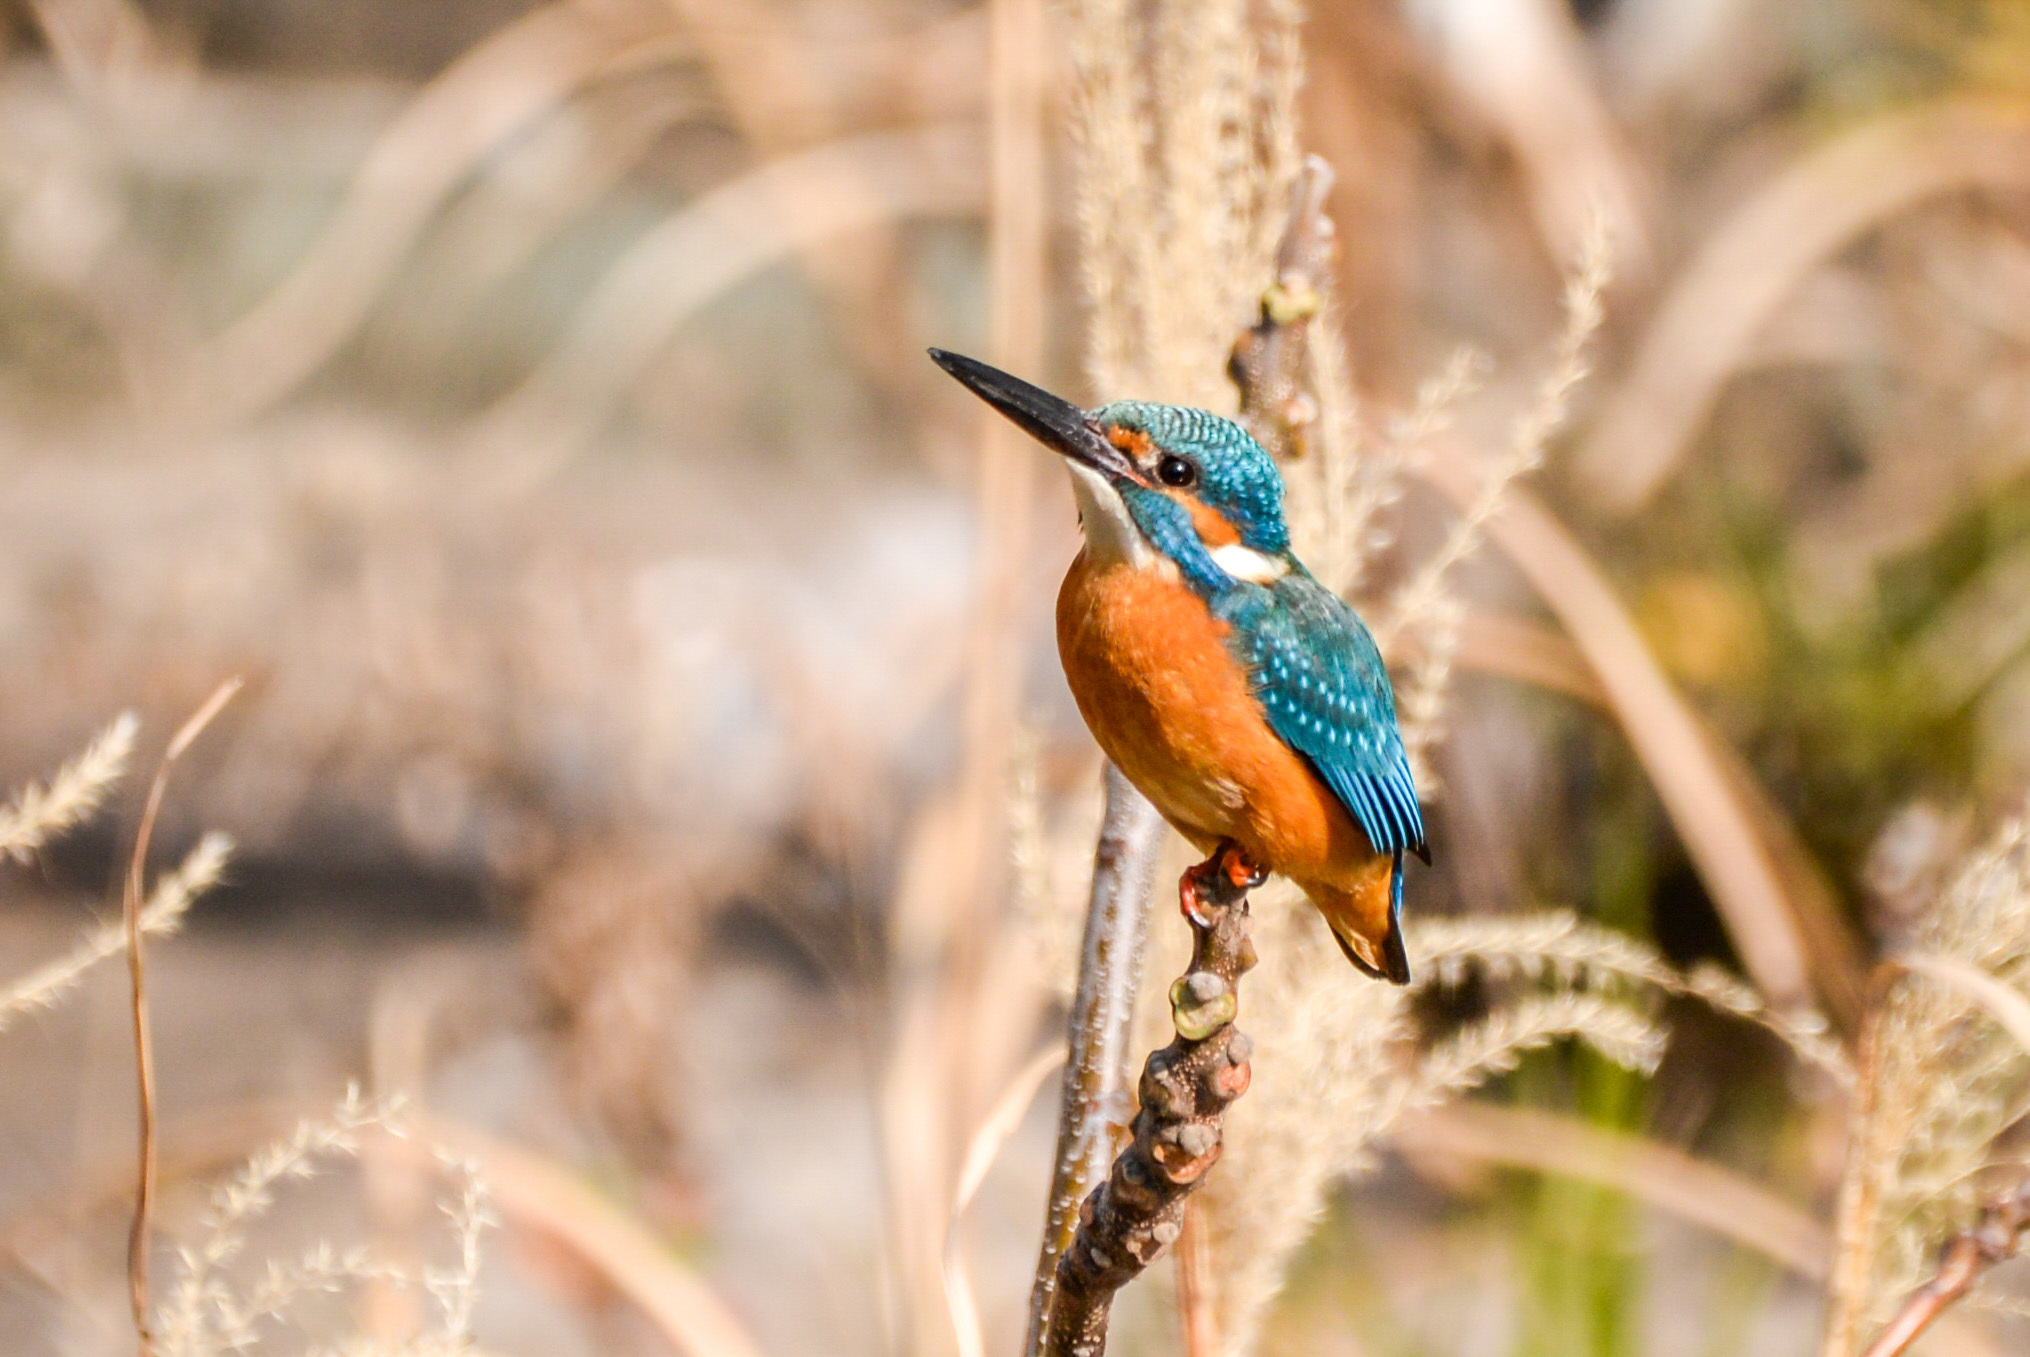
pixel 1235 477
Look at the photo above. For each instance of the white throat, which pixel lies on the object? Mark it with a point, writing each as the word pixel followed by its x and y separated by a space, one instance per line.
pixel 1110 534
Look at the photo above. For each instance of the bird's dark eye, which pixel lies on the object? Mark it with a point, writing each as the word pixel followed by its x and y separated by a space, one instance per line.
pixel 1174 470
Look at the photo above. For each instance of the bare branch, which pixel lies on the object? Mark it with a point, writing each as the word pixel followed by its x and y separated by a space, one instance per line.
pixel 1139 1211
pixel 1268 359
pixel 1102 1016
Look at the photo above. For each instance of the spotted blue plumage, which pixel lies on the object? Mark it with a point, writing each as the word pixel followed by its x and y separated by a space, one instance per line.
pixel 1310 660
pixel 1322 685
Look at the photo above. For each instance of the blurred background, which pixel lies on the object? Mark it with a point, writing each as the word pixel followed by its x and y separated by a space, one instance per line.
pixel 528 401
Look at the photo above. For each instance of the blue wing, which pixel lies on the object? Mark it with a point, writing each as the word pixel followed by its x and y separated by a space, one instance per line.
pixel 1322 684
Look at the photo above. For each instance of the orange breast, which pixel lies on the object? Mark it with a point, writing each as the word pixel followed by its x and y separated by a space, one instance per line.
pixel 1149 667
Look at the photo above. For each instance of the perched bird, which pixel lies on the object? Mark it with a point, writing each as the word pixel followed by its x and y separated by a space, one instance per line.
pixel 1244 698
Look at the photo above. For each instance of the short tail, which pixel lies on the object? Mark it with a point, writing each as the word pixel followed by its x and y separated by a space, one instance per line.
pixel 1389 960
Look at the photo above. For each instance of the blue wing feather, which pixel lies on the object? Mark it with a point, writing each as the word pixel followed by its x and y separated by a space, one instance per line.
pixel 1323 687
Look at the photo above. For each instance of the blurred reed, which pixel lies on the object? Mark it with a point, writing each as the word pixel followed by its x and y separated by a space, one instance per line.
pixel 1941 1080
pixel 40 813
pixel 209 1310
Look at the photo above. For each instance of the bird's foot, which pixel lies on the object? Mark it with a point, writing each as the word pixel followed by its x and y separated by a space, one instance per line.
pixel 1229 861
pixel 1187 890
pixel 1240 869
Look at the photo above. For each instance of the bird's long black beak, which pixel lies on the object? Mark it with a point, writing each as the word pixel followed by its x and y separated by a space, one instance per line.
pixel 1051 420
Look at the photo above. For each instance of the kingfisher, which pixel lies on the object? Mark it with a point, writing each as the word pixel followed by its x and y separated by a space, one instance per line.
pixel 1245 699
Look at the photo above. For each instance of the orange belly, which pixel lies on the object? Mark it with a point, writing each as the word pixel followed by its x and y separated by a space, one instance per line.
pixel 1152 675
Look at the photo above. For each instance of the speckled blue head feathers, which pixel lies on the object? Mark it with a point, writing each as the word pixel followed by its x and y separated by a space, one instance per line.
pixel 1233 475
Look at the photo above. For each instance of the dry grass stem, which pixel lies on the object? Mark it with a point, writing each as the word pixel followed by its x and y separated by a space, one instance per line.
pixel 696 254
pixel 981 1151
pixel 1426 607
pixel 1197 1303
pixel 553 1202
pixel 1710 814
pixel 771 81
pixel 1527 651
pixel 137 974
pixel 1358 486
pixel 1047 904
pixel 494 91
pixel 1756 259
pixel 1321 491
pixel 1425 686
pixel 1704 1193
pixel 1993 1238
pixel 41 812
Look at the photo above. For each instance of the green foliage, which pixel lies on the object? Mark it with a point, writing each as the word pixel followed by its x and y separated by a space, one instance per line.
pixel 1581 1275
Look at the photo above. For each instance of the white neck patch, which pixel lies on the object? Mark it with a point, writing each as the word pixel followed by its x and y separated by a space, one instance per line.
pixel 1111 535
pixel 1248 565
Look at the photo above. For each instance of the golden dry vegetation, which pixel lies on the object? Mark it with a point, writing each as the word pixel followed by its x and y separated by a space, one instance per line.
pixel 635 901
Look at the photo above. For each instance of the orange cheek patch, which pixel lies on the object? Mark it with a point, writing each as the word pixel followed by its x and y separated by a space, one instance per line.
pixel 1131 441
pixel 1210 524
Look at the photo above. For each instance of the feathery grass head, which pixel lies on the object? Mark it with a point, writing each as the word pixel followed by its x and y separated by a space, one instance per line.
pixel 212 1310
pixel 1185 120
pixel 1343 1064
pixel 41 812
pixel 1941 1080
pixel 174 894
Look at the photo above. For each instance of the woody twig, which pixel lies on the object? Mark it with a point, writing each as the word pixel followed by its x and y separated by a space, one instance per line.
pixel 1268 361
pixel 1186 1087
pixel 1995 1238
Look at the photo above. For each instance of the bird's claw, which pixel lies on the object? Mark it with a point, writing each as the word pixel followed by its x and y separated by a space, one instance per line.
pixel 1229 860
pixel 1240 870
pixel 1187 892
